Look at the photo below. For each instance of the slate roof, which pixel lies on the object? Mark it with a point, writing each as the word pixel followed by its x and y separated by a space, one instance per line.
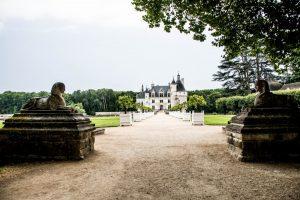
pixel 180 86
pixel 158 88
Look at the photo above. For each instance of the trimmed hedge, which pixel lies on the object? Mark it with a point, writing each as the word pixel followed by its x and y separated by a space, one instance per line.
pixel 236 103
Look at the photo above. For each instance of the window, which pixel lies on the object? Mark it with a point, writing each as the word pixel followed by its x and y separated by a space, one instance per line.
pixel 169 101
pixel 168 94
pixel 161 101
pixel 152 94
pixel 161 94
pixel 153 101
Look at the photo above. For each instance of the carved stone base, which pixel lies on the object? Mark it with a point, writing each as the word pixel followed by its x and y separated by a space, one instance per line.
pixel 46 135
pixel 260 134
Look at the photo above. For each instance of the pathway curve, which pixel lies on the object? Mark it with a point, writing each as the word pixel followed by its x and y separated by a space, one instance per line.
pixel 159 158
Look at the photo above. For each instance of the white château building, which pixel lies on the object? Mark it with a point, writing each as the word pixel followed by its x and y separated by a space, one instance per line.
pixel 163 97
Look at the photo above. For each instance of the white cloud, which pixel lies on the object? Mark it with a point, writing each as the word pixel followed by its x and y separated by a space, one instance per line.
pixel 98 12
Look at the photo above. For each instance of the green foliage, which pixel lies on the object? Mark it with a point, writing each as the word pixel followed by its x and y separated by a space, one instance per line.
pixel 142 108
pixel 241 72
pixel 78 107
pixel 210 96
pixel 11 102
pixel 147 109
pixel 125 102
pixel 196 103
pixel 236 25
pixel 101 100
pixel 179 107
pixel 236 103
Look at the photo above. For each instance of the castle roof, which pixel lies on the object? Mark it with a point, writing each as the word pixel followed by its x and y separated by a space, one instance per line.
pixel 157 89
pixel 180 86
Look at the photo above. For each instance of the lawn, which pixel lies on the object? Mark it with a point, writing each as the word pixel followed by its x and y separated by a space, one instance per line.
pixel 217 119
pixel 101 122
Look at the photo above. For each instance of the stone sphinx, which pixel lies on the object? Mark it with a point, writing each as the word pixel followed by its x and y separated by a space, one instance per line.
pixel 269 130
pixel 265 98
pixel 53 102
pixel 45 129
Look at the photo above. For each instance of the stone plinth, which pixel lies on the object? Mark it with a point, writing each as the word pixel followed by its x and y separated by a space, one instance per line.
pixel 259 134
pixel 46 135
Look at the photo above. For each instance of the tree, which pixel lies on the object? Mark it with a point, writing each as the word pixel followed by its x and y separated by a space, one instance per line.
pixel 78 107
pixel 196 103
pixel 179 107
pixel 236 25
pixel 125 102
pixel 238 74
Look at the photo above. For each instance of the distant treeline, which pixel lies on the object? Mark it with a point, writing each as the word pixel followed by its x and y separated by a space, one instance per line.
pixel 101 100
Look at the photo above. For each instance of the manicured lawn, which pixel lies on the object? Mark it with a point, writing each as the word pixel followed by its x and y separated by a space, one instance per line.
pixel 101 122
pixel 217 119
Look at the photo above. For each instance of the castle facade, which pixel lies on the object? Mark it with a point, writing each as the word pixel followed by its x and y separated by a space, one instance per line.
pixel 163 97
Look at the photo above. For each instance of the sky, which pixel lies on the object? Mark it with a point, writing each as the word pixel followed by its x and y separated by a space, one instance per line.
pixel 92 44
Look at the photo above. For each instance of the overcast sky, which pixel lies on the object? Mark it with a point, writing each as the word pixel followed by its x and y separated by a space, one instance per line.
pixel 91 44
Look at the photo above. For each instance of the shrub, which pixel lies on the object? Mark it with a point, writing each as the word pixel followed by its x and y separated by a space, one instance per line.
pixel 236 103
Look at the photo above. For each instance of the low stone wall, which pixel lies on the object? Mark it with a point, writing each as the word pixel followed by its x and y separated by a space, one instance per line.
pixel 260 134
pixel 46 135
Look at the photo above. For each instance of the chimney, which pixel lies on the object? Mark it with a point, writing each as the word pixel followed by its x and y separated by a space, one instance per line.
pixel 182 80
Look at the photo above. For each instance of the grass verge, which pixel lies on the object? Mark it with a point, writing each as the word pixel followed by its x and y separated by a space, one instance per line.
pixel 102 122
pixel 220 120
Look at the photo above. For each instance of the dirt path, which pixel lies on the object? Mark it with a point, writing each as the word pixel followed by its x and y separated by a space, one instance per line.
pixel 160 158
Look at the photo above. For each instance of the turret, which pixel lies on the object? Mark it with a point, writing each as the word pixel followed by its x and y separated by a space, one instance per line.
pixel 178 77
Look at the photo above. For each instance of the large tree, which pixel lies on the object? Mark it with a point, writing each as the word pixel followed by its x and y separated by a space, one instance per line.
pixel 237 25
pixel 240 73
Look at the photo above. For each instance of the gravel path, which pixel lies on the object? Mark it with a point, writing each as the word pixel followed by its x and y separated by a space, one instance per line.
pixel 160 158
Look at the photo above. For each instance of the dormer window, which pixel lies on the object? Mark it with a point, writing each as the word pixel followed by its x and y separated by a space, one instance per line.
pixel 161 94
pixel 153 94
pixel 168 94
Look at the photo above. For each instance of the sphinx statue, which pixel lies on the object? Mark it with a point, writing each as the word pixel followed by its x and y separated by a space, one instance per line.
pixel 265 98
pixel 54 102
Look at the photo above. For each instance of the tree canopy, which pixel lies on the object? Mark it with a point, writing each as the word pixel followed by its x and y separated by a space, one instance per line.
pixel 271 25
pixel 196 103
pixel 125 102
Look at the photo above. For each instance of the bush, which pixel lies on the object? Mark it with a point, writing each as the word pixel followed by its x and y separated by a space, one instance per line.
pixel 235 104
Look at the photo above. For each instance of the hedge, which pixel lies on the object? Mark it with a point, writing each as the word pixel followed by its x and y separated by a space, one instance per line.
pixel 234 104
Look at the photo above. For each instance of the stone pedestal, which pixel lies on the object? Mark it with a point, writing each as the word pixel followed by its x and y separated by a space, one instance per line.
pixel 46 135
pixel 260 134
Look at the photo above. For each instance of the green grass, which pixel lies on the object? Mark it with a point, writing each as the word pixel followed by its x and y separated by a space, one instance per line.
pixel 101 122
pixel 217 119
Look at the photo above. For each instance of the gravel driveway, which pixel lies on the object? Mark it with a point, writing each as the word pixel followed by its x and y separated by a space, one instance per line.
pixel 159 158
